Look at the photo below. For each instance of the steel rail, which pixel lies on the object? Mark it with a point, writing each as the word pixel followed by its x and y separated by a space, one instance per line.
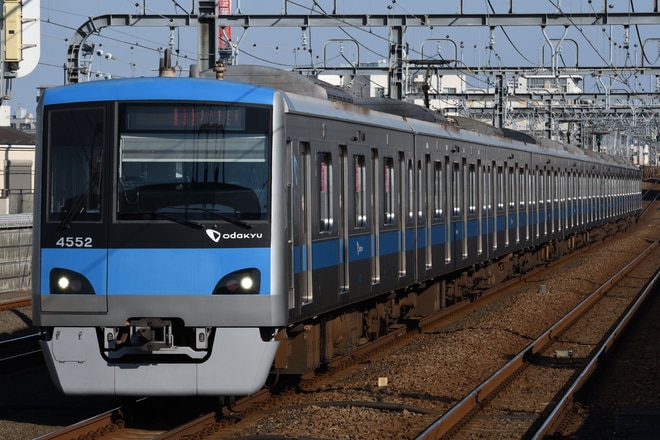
pixel 469 403
pixel 567 399
pixel 15 304
pixel 94 427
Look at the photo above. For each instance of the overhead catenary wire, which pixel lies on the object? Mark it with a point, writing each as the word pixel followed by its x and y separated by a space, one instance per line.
pixel 119 38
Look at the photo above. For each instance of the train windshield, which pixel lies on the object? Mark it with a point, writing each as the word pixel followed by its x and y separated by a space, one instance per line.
pixel 75 138
pixel 193 161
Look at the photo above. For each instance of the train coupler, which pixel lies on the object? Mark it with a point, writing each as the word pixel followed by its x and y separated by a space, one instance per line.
pixel 151 334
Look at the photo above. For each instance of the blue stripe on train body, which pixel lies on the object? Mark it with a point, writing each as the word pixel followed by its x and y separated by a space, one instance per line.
pixel 327 253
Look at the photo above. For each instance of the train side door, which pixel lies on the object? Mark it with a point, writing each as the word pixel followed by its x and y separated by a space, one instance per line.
pixel 375 217
pixel 423 231
pixel 302 228
pixel 458 214
pixel 343 257
pixel 448 187
pixel 405 212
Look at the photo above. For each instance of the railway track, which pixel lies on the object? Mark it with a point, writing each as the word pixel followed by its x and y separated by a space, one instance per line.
pixel 15 304
pixel 565 407
pixel 516 397
pixel 22 348
pixel 146 418
pixel 18 352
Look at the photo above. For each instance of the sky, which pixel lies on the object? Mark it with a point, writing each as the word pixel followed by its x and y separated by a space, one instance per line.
pixel 135 51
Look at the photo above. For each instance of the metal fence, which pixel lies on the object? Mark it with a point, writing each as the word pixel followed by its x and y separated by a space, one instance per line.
pixel 15 252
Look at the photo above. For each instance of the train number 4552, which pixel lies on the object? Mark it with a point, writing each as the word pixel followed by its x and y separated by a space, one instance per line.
pixel 74 242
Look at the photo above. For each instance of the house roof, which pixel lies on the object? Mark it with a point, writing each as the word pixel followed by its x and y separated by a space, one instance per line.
pixel 12 136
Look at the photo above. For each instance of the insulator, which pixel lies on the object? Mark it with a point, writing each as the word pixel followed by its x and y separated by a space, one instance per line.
pixel 304 39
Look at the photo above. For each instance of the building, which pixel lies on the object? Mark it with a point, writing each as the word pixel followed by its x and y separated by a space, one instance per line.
pixel 16 171
pixel 23 120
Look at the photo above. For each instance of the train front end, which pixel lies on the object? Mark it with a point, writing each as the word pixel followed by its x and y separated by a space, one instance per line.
pixel 159 235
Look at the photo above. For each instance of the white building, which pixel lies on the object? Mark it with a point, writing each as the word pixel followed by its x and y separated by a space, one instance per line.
pixel 16 171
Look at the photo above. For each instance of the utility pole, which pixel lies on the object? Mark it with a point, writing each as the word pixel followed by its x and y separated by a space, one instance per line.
pixel 207 27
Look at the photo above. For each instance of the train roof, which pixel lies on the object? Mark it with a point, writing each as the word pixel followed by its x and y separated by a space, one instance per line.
pixel 291 82
pixel 482 127
pixel 456 126
pixel 130 89
pixel 296 83
pixel 405 115
pixel 258 85
pixel 284 80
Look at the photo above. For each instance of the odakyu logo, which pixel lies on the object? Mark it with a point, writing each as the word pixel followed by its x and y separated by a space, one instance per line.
pixel 217 236
pixel 214 235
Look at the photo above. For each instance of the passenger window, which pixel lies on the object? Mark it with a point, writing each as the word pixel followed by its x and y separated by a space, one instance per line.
pixel 500 189
pixel 512 189
pixel 457 189
pixel 360 195
pixel 421 191
pixel 488 191
pixel 411 201
pixel 388 206
pixel 472 191
pixel 438 195
pixel 522 185
pixel 325 192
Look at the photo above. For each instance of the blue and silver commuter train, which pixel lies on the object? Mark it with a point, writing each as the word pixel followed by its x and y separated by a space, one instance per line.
pixel 193 234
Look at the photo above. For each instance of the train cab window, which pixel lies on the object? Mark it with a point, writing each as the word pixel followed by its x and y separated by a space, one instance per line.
pixel 74 139
pixel 388 191
pixel 193 160
pixel 438 194
pixel 360 191
pixel 325 192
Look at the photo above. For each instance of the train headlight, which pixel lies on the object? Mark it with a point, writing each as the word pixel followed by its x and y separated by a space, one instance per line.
pixel 65 281
pixel 241 282
pixel 247 283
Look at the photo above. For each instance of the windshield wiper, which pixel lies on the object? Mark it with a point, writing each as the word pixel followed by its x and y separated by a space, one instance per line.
pixel 76 209
pixel 172 218
pixel 77 206
pixel 232 220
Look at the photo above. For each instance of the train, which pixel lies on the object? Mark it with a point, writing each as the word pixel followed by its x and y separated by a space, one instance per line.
pixel 194 235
